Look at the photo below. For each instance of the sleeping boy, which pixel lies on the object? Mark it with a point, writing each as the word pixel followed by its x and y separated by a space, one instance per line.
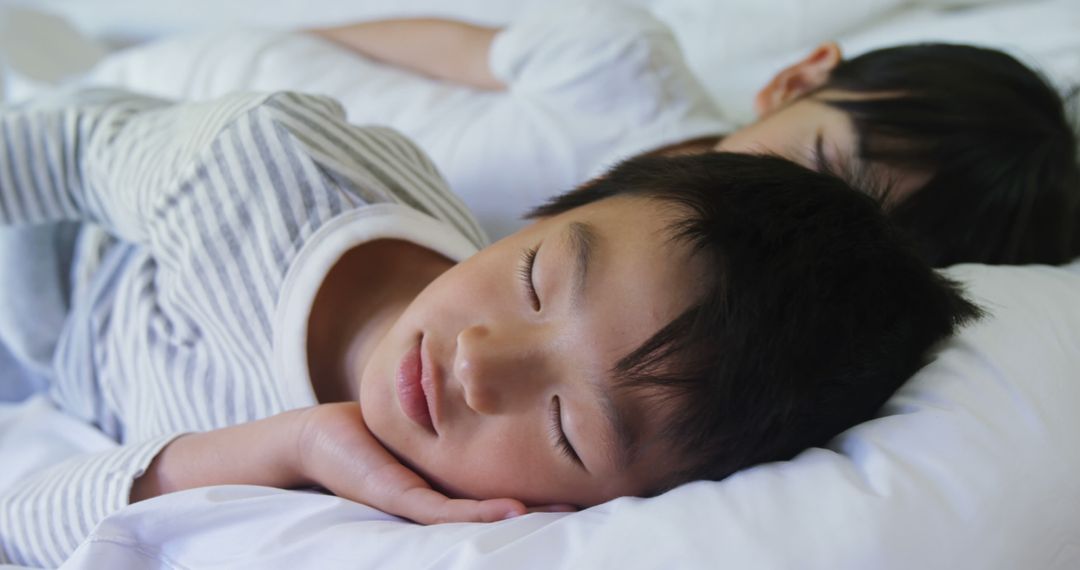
pixel 973 147
pixel 294 301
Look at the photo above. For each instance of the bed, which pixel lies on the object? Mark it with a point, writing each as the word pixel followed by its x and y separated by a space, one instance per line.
pixel 970 465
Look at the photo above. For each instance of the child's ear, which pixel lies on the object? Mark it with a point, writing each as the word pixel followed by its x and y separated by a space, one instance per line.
pixel 798 79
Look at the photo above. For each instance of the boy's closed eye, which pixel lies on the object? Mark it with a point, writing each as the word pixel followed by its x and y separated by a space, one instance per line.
pixel 558 434
pixel 528 262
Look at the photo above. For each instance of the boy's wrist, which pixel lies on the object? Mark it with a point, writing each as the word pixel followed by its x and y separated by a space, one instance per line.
pixel 314 433
pixel 154 481
pixel 263 452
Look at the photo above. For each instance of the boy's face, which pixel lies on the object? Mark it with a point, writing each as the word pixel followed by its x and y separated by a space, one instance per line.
pixel 798 130
pixel 808 131
pixel 795 122
pixel 509 373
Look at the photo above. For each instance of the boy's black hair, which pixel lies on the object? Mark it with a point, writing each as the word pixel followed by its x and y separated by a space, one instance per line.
pixel 993 134
pixel 815 309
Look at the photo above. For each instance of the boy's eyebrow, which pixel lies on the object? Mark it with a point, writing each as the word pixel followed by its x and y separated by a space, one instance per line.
pixel 582 237
pixel 620 445
pixel 820 164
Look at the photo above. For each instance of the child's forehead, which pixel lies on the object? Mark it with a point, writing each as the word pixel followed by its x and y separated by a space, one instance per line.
pixel 634 278
pixel 637 240
pixel 648 223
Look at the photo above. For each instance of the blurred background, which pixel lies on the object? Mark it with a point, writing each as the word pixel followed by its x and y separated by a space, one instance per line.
pixel 733 45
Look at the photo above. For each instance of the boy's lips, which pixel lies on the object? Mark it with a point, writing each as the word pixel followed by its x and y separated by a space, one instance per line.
pixel 415 387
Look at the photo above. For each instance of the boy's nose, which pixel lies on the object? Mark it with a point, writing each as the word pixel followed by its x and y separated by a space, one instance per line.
pixel 499 370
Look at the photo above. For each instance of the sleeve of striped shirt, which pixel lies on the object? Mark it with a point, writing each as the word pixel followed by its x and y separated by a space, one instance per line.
pixel 120 159
pixel 100 155
pixel 43 519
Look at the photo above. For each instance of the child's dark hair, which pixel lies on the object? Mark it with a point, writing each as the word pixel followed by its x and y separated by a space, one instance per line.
pixel 815 309
pixel 993 134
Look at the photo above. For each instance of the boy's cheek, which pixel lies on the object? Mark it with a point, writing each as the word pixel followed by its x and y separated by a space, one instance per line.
pixel 488 476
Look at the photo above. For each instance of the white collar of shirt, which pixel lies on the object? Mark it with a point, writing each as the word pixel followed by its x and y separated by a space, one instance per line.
pixel 315 259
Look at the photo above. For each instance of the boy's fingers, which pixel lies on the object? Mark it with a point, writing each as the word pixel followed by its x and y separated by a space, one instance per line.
pixel 554 509
pixel 398 490
pixel 427 506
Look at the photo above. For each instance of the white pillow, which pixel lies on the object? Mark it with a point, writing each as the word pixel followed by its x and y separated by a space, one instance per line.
pixel 972 465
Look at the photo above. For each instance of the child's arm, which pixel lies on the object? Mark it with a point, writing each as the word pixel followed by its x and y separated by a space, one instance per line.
pixel 443 49
pixel 104 156
pixel 327 445
pixel 44 176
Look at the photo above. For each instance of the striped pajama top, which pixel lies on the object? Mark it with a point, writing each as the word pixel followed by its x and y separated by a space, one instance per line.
pixel 194 319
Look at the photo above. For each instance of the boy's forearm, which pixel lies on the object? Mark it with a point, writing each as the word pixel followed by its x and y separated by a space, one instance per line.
pixel 46 142
pixel 443 49
pixel 262 452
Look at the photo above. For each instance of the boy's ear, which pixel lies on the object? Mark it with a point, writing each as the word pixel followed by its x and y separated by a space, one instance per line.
pixel 798 79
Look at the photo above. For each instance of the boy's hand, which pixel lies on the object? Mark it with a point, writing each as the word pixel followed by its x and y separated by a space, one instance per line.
pixel 337 451
pixel 327 445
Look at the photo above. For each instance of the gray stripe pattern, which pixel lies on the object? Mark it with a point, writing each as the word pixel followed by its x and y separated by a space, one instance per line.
pixel 211 202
